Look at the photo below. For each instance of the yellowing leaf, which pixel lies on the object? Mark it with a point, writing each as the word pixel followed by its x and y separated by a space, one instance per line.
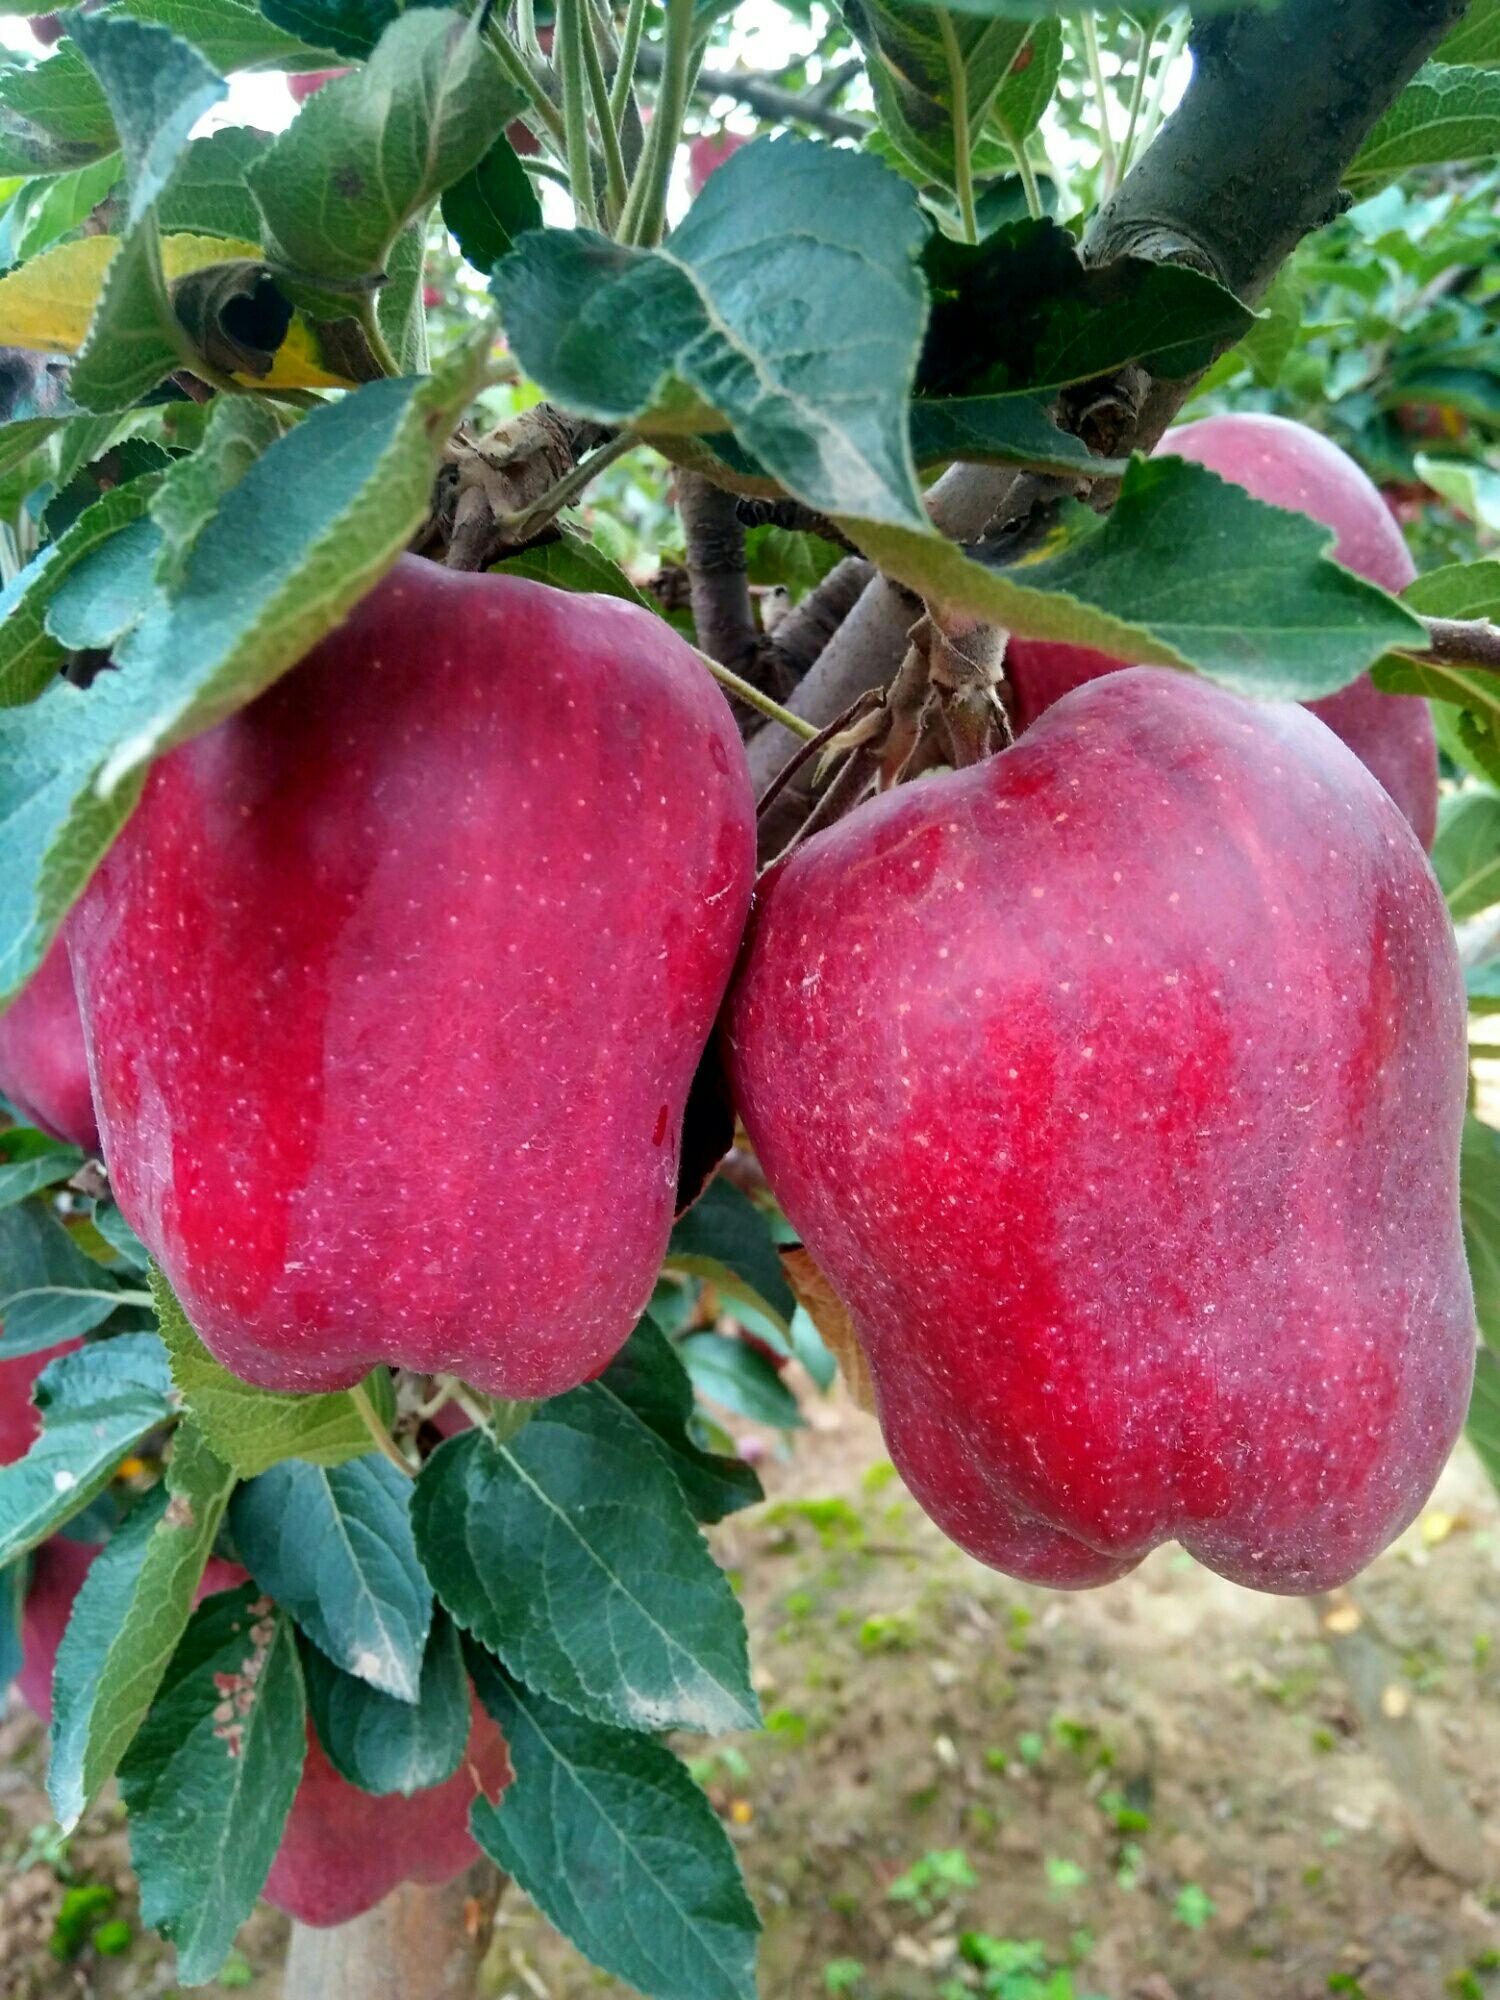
pixel 49 302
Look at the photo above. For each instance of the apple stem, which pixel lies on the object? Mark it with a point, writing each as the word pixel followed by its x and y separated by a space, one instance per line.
pixel 752 697
pixel 1101 96
pixel 630 44
pixel 385 1444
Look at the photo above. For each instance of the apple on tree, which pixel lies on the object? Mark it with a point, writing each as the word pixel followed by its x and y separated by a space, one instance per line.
pixel 405 971
pixel 1288 465
pixel 1116 1082
pixel 44 1067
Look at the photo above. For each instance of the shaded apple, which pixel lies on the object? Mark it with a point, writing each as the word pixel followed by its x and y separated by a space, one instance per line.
pixel 20 1421
pixel 1288 465
pixel 1116 1083
pixel 708 152
pixel 396 982
pixel 344 1851
pixel 44 1068
pixel 307 83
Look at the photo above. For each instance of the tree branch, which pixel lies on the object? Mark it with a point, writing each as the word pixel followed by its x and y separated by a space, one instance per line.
pixel 784 107
pixel 718 580
pixel 1462 642
pixel 1249 162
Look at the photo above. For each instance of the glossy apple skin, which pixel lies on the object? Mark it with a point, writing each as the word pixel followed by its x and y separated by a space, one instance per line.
pixel 44 1066
pixel 344 1851
pixel 1288 465
pixel 1117 1083
pixel 396 982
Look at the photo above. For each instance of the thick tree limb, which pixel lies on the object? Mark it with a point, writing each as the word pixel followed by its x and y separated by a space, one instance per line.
pixel 784 107
pixel 1249 162
pixel 420 1940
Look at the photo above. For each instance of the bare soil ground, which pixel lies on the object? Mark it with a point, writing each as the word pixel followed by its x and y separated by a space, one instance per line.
pixel 1157 1791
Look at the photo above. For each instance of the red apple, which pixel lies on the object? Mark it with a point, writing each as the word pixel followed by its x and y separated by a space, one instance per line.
pixel 57 1572
pixel 20 1422
pixel 47 28
pixel 708 152
pixel 396 982
pixel 310 81
pixel 44 1067
pixel 1116 1083
pixel 1288 465
pixel 344 1851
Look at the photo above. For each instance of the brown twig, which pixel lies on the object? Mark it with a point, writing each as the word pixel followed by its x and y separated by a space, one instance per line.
pixel 718 575
pixel 1462 642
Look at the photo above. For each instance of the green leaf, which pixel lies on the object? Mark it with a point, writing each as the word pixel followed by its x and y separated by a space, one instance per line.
pixel 209 194
pixel 382 1745
pixel 570 1552
pixel 399 309
pixel 372 150
pixel 233 34
pixel 1444 115
pixel 1472 488
pixel 1459 590
pixel 66 201
pixel 787 300
pixel 570 563
pixel 1186 570
pixel 207 1798
pixel 19 440
pixel 254 1429
pixel 1064 321
pixel 649 1384
pixel 49 1290
pixel 1476 39
pixel 999 430
pixel 619 1849
pixel 724 1236
pixel 908 69
pixel 1484 1414
pixel 1029 87
pixel 157 87
pixel 107 593
pixel 127 1619
pixel 29 1161
pixel 333 1545
pixel 1479 1201
pixel 120 1237
pixel 239 429
pixel 349 27
pixel 491 206
pixel 96 1404
pixel 12 1610
pixel 310 528
pixel 53 117
pixel 732 1374
pixel 1466 853
pixel 29 655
